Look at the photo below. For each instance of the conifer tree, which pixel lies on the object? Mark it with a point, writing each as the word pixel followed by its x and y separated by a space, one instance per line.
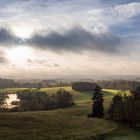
pixel 97 107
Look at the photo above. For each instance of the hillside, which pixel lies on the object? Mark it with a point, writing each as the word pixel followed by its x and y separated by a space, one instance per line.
pixel 64 124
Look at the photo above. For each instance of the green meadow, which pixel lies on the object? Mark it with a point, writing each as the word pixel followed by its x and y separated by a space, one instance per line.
pixel 64 124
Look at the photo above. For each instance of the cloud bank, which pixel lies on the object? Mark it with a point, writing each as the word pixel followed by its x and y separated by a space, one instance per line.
pixel 76 39
pixel 7 38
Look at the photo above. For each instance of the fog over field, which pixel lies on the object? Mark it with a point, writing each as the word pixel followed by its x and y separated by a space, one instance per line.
pixel 67 38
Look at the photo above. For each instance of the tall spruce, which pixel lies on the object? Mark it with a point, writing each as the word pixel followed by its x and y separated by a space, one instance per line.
pixel 97 107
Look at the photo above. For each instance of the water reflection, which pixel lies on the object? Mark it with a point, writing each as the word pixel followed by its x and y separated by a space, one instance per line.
pixel 11 98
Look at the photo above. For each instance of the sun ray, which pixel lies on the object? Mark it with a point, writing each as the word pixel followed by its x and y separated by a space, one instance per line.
pixel 19 54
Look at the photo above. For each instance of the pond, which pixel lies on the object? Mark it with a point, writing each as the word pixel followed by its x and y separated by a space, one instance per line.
pixel 11 98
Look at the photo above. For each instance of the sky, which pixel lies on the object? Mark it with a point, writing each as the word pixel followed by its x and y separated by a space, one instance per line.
pixel 69 38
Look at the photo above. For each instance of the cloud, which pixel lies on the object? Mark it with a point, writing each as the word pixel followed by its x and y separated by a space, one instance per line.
pixel 36 61
pixel 7 38
pixel 116 14
pixel 3 59
pixel 56 65
pixel 42 62
pixel 128 10
pixel 76 39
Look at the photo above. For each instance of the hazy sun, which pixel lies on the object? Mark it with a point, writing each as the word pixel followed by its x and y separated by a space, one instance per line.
pixel 19 54
pixel 23 32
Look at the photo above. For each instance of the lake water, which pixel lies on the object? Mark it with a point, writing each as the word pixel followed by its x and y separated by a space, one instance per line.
pixel 10 99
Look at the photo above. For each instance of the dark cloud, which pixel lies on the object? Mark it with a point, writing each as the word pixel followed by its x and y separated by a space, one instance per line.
pixel 7 38
pixel 76 39
pixel 56 65
pixel 37 61
pixel 42 62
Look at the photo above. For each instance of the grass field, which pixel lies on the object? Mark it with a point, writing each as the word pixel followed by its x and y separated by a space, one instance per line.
pixel 64 124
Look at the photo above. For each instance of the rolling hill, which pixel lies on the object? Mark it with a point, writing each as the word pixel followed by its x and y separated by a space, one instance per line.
pixel 64 124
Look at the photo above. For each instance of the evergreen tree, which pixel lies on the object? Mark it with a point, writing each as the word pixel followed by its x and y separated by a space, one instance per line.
pixel 97 107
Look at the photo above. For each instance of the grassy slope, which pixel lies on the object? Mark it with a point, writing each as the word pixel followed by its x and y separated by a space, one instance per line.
pixel 63 124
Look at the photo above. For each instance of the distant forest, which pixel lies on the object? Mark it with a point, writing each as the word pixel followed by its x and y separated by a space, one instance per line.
pixel 10 83
pixel 105 84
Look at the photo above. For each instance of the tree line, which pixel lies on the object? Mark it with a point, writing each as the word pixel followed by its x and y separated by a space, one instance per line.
pixel 32 100
pixel 118 84
pixel 83 86
pixel 126 108
pixel 10 83
pixel 123 108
